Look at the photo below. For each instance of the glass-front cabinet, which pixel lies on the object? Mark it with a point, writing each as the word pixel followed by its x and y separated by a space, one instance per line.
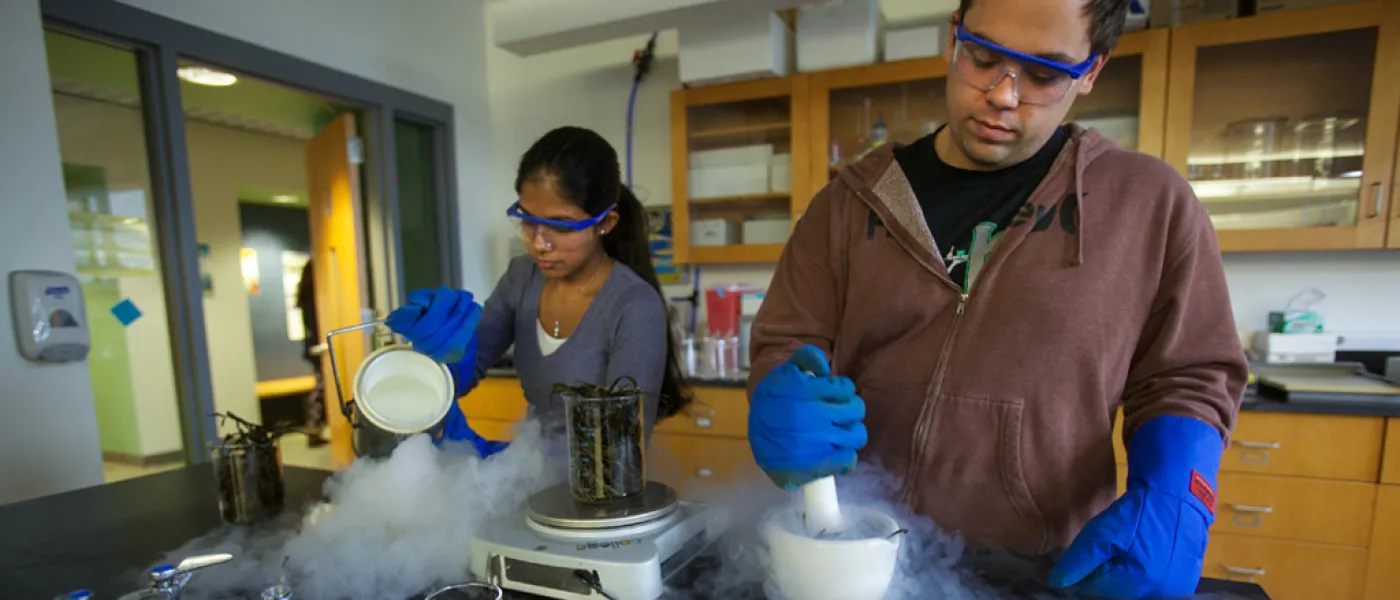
pixel 854 111
pixel 1285 125
pixel 734 177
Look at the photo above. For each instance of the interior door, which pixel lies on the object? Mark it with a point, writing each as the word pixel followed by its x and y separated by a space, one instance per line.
pixel 337 250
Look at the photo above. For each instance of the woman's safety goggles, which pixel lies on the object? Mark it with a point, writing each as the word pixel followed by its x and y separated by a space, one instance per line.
pixel 550 229
pixel 1035 80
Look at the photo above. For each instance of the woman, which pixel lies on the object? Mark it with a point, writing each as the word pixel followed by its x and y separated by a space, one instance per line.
pixel 583 307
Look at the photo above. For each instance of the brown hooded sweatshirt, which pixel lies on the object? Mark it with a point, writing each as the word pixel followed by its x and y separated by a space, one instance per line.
pixel 997 405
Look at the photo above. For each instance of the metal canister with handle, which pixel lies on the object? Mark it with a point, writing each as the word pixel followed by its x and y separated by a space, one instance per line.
pixel 397 392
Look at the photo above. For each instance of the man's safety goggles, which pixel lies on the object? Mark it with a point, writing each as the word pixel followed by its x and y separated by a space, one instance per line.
pixel 551 229
pixel 983 64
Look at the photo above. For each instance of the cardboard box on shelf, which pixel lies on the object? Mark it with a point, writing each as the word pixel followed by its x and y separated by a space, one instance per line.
pixel 1171 13
pixel 914 42
pixel 726 47
pixel 848 33
pixel 712 232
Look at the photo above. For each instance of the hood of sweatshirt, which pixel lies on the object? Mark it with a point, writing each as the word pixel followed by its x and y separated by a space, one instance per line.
pixel 882 184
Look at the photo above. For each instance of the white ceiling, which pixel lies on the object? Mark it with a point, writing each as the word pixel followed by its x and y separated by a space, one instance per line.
pixel 527 27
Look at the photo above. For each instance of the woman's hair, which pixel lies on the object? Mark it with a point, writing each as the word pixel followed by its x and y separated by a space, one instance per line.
pixel 583 168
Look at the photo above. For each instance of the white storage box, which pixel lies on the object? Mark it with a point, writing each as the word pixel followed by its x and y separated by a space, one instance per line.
pixel 1285 348
pixel 712 232
pixel 738 180
pixel 847 33
pixel 913 42
pixel 724 47
pixel 780 173
pixel 739 155
pixel 767 231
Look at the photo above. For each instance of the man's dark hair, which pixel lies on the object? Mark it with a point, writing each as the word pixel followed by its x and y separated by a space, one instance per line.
pixel 1105 22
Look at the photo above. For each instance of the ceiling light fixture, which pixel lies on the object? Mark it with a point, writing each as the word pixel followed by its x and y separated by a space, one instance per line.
pixel 284 199
pixel 206 76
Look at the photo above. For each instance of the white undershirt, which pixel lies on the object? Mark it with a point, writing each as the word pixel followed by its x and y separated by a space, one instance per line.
pixel 548 343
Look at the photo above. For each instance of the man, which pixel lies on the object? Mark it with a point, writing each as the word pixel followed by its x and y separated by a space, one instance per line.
pixel 989 296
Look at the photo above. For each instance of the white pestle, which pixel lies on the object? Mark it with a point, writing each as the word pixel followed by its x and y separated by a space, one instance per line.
pixel 822 512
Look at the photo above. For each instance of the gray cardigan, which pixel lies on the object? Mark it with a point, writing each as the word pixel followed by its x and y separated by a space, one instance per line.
pixel 623 332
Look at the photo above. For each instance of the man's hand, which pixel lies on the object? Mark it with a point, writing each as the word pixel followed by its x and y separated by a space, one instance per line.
pixel 440 323
pixel 805 424
pixel 1151 542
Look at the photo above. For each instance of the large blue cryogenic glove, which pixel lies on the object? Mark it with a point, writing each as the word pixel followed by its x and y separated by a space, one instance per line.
pixel 1151 542
pixel 454 428
pixel 440 323
pixel 804 423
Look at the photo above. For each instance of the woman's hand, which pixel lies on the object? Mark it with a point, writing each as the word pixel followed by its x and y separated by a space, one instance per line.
pixel 440 323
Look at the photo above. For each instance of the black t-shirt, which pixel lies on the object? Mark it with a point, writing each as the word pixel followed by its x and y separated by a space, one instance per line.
pixel 967 210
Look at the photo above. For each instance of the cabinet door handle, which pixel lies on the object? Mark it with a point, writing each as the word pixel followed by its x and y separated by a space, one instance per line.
pixel 1248 574
pixel 1252 509
pixel 1379 199
pixel 703 423
pixel 703 472
pixel 1258 445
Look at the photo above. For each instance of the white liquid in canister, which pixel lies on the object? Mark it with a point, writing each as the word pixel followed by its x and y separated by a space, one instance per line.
pixel 405 401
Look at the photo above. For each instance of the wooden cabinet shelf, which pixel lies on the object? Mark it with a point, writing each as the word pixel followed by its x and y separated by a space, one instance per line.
pixel 1286 124
pixel 736 254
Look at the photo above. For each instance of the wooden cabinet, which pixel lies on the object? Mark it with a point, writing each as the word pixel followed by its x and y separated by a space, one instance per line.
pixel 1288 570
pixel 1383 576
pixel 1324 446
pixel 1390 459
pixel 1285 124
pixel 854 110
pixel 711 185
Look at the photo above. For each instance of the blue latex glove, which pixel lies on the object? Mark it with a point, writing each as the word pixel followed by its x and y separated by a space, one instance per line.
pixel 1151 542
pixel 454 428
pixel 440 323
pixel 805 424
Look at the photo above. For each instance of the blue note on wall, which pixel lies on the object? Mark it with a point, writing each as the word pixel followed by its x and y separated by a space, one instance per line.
pixel 126 312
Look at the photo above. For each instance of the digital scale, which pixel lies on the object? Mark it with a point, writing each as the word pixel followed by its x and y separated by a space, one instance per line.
pixel 561 548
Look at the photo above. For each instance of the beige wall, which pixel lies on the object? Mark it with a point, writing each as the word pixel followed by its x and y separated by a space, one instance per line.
pixel 48 435
pixel 221 160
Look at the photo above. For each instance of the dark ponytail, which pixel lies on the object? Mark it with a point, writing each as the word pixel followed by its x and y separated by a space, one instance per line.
pixel 584 169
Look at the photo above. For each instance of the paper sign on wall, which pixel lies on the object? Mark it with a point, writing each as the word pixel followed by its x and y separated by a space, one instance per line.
pixel 248 257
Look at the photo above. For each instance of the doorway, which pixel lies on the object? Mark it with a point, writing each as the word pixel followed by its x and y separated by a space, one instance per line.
pixel 207 178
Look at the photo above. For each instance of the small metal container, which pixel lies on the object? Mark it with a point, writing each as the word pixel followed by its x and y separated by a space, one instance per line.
pixel 250 484
pixel 397 391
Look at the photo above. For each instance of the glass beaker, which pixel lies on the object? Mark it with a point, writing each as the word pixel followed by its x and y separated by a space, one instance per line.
pixel 1251 147
pixel 606 438
pixel 251 487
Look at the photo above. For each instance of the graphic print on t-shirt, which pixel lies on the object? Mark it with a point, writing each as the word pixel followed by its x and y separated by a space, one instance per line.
pixel 967 210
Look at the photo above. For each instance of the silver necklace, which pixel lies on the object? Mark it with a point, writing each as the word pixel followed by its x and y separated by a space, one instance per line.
pixel 581 291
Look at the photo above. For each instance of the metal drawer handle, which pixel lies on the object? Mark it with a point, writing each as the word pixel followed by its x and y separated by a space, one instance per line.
pixel 1250 574
pixel 703 423
pixel 703 472
pixel 1380 200
pixel 1249 516
pixel 1258 445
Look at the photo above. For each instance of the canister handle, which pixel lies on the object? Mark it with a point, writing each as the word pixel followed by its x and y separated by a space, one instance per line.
pixel 335 369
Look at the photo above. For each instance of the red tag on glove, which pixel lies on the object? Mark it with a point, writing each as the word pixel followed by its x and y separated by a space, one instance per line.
pixel 1201 489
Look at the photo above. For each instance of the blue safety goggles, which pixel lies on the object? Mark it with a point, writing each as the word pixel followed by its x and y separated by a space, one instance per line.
pixel 514 212
pixel 1075 71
